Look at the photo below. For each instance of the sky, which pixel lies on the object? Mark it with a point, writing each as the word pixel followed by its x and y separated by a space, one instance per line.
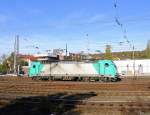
pixel 50 24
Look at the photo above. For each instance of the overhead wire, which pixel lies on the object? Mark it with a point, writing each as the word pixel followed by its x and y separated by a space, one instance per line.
pixel 118 22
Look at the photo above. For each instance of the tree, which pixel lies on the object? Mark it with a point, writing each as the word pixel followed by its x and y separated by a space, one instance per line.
pixel 7 64
pixel 3 66
pixel 3 69
pixel 2 58
pixel 108 53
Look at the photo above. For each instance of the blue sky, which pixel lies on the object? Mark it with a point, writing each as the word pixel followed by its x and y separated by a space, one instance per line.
pixel 51 24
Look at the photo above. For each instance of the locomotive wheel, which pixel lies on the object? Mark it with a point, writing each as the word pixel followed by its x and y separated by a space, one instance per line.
pixel 80 78
pixel 76 79
pixel 86 79
pixel 97 79
pixel 105 79
pixel 113 80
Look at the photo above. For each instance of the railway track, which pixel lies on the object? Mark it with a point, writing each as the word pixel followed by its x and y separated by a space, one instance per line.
pixel 102 104
pixel 120 105
pixel 65 86
pixel 129 95
pixel 44 88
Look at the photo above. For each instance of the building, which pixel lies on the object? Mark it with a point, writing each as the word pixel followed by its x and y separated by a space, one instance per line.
pixel 59 52
pixel 46 58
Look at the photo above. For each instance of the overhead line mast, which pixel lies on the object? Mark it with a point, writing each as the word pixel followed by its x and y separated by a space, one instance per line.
pixel 15 56
pixel 124 33
pixel 16 53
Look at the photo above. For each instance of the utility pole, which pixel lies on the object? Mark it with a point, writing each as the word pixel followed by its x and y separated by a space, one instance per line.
pixel 66 50
pixel 87 47
pixel 18 66
pixel 15 56
pixel 16 53
pixel 17 37
pixel 133 57
pixel 87 38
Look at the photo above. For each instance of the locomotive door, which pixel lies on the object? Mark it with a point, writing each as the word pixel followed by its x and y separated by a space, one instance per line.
pixel 104 68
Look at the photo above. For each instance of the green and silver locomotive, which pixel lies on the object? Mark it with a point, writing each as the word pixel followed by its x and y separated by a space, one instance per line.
pixel 102 70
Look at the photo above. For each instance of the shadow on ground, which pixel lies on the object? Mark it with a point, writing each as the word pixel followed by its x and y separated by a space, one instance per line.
pixel 56 104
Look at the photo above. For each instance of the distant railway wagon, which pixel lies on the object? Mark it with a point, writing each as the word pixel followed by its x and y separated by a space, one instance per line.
pixel 102 70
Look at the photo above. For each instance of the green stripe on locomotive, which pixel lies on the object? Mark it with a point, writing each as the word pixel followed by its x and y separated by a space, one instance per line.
pixel 35 68
pixel 105 68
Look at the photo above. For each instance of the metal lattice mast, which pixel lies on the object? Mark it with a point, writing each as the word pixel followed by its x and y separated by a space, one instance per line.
pixel 15 56
pixel 16 53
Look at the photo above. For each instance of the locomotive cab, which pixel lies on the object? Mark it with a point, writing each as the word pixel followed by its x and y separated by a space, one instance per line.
pixel 107 69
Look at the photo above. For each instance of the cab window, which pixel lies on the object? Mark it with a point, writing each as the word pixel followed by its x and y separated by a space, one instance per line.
pixel 106 65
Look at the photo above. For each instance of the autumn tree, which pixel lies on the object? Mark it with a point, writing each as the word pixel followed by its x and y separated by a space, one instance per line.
pixel 7 64
pixel 108 53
